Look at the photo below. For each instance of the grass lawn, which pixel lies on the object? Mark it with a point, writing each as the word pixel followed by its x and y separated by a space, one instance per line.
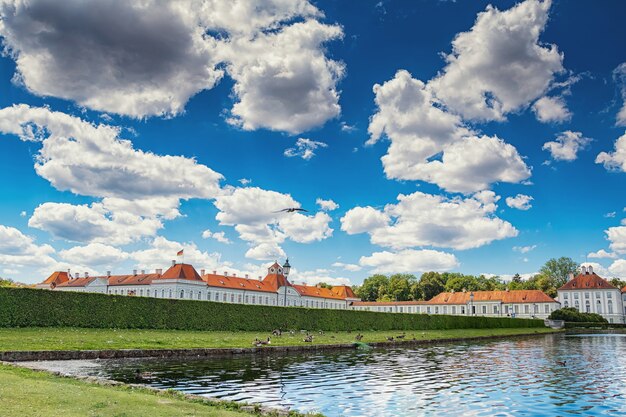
pixel 88 339
pixel 27 393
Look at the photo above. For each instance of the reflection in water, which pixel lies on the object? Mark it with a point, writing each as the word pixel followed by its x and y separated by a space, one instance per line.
pixel 518 377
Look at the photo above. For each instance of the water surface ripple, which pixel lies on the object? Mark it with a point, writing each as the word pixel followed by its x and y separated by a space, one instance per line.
pixel 516 377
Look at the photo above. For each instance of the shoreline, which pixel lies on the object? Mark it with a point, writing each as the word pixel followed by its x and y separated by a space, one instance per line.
pixel 49 355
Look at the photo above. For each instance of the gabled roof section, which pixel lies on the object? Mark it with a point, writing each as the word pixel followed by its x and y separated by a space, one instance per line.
pixel 506 297
pixel 588 281
pixel 77 282
pixel 237 283
pixel 139 279
pixel 181 271
pixel 309 291
pixel 344 291
pixel 57 277
pixel 275 281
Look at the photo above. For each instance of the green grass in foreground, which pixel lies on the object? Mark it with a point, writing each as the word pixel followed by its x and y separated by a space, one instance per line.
pixel 27 393
pixel 88 339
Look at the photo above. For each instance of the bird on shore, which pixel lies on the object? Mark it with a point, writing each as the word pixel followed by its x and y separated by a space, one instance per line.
pixel 277 332
pixel 562 363
pixel 139 374
pixel 358 337
pixel 402 336
pixel 308 338
pixel 390 338
pixel 290 210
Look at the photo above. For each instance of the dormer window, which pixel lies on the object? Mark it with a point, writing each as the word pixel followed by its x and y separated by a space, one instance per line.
pixel 272 270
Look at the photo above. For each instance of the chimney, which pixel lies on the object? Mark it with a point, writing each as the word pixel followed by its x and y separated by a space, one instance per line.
pixel 86 274
pixel 225 273
pixel 69 272
pixel 583 270
pixel 234 274
pixel 214 272
pixel 159 271
pixel 571 276
pixel 202 271
pixel 590 269
pixel 260 279
pixel 108 274
pixel 134 272
pixel 173 262
pixel 78 275
pixel 246 276
pixel 143 272
pixel 318 285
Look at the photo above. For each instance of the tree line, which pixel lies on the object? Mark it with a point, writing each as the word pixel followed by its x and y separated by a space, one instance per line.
pixel 407 287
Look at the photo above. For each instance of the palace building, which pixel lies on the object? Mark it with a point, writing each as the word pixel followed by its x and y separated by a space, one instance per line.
pixel 182 281
pixel 589 293
pixel 513 303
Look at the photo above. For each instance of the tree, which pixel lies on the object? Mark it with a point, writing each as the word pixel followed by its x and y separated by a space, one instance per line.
pixel 558 270
pixel 373 288
pixel 517 278
pixel 432 283
pixel 618 283
pixel 325 285
pixel 400 287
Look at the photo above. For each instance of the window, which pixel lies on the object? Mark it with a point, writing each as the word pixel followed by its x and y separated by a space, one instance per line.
pixel 437 310
pixel 597 295
pixel 232 298
pixel 428 310
pixel 526 309
pixel 462 309
pixel 224 297
pixel 586 295
pixel 495 309
pixel 587 307
pixel 170 293
pixel 162 293
pixel 610 307
pixel 208 296
pixel 199 295
pixel 536 308
pixel 267 301
pixel 599 307
pixel 516 309
pixel 609 295
pixel 253 299
pixel 191 295
pixel 239 298
pixel 565 296
pixel 575 296
pixel 484 309
pixel 565 304
pixel 546 308
pixel 577 305
pixel 453 309
pixel 445 309
pixel 247 299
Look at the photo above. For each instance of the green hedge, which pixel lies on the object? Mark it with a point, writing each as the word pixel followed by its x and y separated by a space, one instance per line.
pixel 570 314
pixel 21 307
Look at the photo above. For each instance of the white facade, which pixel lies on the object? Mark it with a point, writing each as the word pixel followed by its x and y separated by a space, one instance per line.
pixel 589 293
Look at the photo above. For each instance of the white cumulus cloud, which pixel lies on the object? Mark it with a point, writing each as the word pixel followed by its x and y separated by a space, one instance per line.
pixel 520 202
pixel 602 254
pixel 326 205
pixel 421 219
pixel 219 236
pixel 305 149
pixel 94 254
pixel 566 145
pixel 499 66
pixel 409 260
pixel 616 160
pixel 551 109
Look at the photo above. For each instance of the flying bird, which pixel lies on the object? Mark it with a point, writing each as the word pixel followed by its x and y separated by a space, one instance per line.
pixel 291 210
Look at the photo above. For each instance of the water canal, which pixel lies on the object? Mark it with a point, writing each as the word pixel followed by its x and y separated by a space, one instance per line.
pixel 536 376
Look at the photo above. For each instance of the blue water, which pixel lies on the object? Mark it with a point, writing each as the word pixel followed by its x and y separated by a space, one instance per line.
pixel 516 377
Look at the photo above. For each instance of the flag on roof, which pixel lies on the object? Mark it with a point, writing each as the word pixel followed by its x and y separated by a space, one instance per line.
pixel 180 252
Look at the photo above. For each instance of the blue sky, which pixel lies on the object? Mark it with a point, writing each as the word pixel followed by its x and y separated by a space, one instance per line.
pixel 419 135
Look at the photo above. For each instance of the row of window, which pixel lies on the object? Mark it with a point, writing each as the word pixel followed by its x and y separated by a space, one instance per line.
pixel 588 306
pixel 453 310
pixel 609 295
pixel 226 297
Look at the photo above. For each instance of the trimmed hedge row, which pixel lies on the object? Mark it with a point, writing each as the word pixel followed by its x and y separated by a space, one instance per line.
pixel 23 307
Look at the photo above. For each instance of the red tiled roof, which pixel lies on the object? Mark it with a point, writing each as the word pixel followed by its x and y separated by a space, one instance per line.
pixel 344 291
pixel 388 303
pixel 275 281
pixel 237 283
pixel 77 282
pixel 506 297
pixel 57 277
pixel 139 279
pixel 181 271
pixel 587 282
pixel 310 291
